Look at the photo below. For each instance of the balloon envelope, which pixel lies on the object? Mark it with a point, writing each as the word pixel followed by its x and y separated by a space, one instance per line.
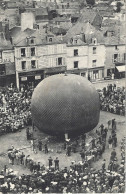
pixel 65 104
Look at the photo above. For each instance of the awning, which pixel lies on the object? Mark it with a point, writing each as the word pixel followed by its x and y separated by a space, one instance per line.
pixel 121 68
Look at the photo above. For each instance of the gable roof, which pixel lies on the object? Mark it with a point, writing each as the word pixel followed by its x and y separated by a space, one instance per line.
pixel 19 35
pixel 4 44
pixel 87 29
pixel 88 15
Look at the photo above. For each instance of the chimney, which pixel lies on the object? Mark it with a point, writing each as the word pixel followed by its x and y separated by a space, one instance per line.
pixel 11 40
pixel 1 28
pixel 7 33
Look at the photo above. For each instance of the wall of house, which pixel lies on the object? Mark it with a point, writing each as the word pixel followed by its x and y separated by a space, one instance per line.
pixel 8 56
pixel 27 20
pixel 99 56
pixel 109 59
pixel 45 56
pixel 81 58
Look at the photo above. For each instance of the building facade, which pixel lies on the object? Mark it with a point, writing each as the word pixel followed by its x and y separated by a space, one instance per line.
pixel 115 55
pixel 34 61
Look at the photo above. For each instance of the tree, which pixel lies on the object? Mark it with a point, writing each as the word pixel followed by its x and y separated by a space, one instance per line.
pixel 90 2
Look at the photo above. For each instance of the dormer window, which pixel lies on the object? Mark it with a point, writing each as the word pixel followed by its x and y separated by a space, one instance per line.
pixel 94 41
pixel 32 41
pixel 75 41
pixel 50 39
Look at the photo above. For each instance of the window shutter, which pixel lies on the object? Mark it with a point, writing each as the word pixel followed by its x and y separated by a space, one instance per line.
pixel 56 61
pixel 37 64
pixel 19 52
pixel 118 57
pixel 28 64
pixel 63 63
pixel 27 49
pixel 112 58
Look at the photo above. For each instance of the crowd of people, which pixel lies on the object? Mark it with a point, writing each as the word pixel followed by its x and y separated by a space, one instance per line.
pixel 112 99
pixel 78 178
pixel 14 108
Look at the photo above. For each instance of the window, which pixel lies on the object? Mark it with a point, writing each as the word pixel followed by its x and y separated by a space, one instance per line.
pixel 116 58
pixel 94 40
pixel 94 50
pixel 23 64
pixel 50 39
pixel 75 52
pixel 83 74
pixel 32 41
pixel 60 61
pixel 94 63
pixel 95 74
pixel 75 64
pixel 33 64
pixel 22 52
pixel 2 69
pixel 116 47
pixel 75 41
pixel 32 51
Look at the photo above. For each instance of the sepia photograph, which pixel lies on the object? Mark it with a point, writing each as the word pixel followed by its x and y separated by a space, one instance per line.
pixel 62 96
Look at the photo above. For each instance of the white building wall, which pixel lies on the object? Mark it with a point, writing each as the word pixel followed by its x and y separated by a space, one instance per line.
pixel 82 57
pixel 99 56
pixel 27 20
pixel 45 56
pixel 8 56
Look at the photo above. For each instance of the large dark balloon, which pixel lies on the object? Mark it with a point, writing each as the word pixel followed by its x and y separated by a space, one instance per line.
pixel 65 104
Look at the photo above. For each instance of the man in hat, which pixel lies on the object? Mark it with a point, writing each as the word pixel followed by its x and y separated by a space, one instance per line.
pixel 46 148
pixel 56 163
pixel 103 165
pixel 50 162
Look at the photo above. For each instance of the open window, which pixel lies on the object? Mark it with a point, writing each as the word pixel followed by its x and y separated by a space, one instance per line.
pixel 75 64
pixel 60 61
pixel 94 63
pixel 75 52
pixel 33 64
pixel 94 50
pixel 32 51
pixel 23 52
pixel 23 64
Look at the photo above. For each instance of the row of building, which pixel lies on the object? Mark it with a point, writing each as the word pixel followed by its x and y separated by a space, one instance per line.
pixel 87 44
pixel 30 56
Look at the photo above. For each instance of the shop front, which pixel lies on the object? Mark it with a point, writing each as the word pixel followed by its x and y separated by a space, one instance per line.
pixel 32 78
pixel 96 73
pixel 120 70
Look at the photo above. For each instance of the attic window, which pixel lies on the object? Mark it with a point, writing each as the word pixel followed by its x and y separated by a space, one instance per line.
pixel 94 40
pixel 50 39
pixel 32 41
pixel 75 41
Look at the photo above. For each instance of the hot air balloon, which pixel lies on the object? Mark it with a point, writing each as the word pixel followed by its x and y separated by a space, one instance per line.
pixel 65 104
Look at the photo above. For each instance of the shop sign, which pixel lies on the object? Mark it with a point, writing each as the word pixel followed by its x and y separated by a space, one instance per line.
pixel 23 78
pixel 38 77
